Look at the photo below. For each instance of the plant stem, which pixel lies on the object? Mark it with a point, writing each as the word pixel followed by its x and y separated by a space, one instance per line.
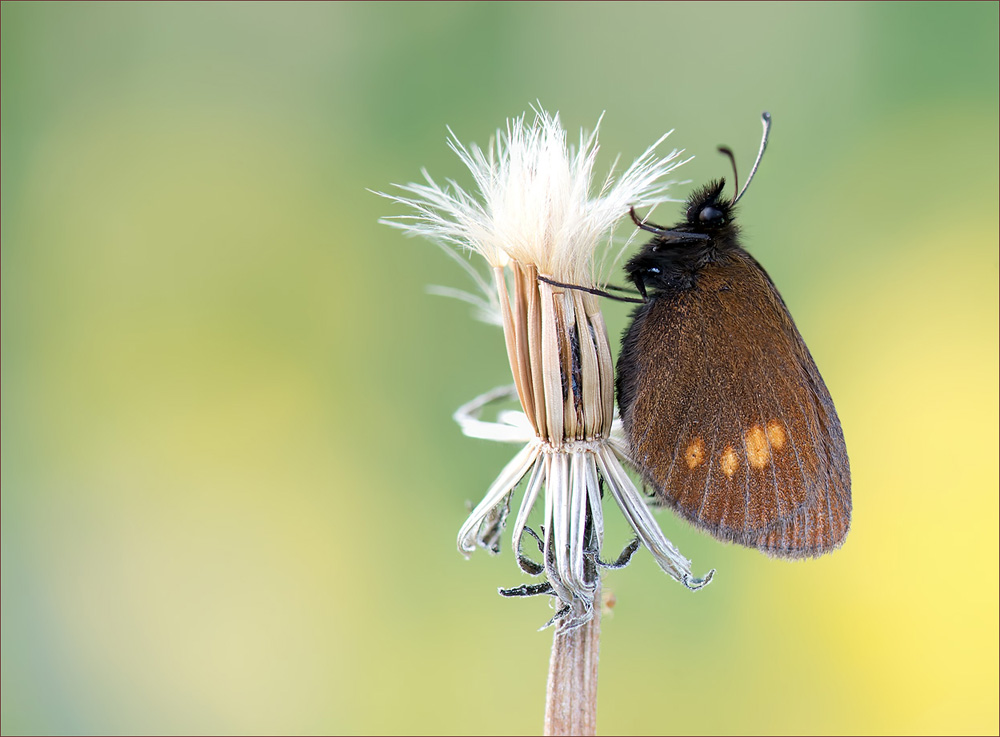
pixel 571 696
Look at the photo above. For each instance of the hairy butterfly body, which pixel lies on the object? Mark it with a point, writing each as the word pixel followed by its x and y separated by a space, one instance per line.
pixel 727 417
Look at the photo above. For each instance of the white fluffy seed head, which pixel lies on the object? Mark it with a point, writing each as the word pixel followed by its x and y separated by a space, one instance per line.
pixel 535 201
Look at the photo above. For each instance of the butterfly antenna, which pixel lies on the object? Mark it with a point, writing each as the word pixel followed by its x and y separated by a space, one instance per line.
pixel 726 151
pixel 766 120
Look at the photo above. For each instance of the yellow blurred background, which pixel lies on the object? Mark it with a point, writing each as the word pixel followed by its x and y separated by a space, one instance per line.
pixel 231 481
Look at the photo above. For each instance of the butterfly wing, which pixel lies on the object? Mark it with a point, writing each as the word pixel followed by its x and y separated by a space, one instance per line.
pixel 728 418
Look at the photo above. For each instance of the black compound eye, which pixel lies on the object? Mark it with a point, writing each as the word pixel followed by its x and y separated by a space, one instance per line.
pixel 710 214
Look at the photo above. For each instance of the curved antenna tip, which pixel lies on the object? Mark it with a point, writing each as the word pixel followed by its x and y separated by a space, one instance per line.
pixel 765 118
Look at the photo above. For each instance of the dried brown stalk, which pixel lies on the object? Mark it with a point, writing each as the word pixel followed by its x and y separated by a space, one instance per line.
pixel 571 690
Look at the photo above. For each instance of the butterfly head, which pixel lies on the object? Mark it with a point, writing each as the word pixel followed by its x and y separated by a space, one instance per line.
pixel 709 212
pixel 671 260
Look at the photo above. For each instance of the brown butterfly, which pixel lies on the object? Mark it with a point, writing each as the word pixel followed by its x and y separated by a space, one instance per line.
pixel 727 416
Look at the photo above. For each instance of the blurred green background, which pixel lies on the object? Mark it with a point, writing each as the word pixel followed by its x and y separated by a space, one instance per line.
pixel 231 481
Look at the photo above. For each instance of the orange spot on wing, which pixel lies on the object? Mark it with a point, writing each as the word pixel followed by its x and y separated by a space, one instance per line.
pixel 758 452
pixel 695 453
pixel 776 435
pixel 730 461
